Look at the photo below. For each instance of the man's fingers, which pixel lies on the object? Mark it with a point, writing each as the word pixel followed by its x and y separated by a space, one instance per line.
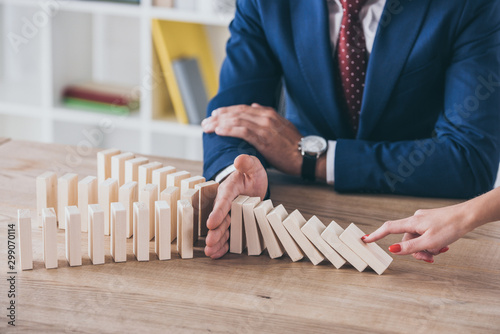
pixel 217 250
pixel 247 133
pixel 221 251
pixel 390 227
pixel 222 205
pixel 247 164
pixel 214 236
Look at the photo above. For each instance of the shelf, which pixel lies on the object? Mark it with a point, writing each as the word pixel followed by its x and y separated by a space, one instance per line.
pixel 20 95
pixel 131 121
pixel 172 14
pixel 174 128
pixel 16 109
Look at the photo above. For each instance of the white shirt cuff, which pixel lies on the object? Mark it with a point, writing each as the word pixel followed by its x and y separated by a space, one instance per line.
pixel 224 173
pixel 330 162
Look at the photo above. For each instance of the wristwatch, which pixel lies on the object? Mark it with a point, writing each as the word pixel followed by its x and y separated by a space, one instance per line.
pixel 311 148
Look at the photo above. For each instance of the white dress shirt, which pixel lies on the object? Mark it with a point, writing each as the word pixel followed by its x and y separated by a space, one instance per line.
pixel 370 16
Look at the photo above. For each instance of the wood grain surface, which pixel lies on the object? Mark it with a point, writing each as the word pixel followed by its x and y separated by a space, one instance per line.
pixel 459 293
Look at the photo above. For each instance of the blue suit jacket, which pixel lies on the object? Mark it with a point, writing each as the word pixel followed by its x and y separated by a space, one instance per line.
pixel 430 120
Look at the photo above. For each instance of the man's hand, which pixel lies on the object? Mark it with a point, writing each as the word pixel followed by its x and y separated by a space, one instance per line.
pixel 272 135
pixel 250 178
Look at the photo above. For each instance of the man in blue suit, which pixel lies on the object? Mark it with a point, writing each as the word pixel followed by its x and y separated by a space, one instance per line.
pixel 402 97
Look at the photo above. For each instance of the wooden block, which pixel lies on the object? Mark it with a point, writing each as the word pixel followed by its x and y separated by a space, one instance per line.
pixel 118 240
pixel 24 239
pixel 190 182
pixel 207 195
pixel 174 179
pixel 146 173
pixel 312 230
pixel 255 243
pixel 104 164
pixel 149 195
pixel 141 231
pixel 132 169
pixel 49 231
pixel 67 195
pixel 293 224
pixel 118 166
pixel 96 234
pixel 237 241
pixel 185 230
pixel 87 194
pixel 128 195
pixel 331 236
pixel 192 195
pixel 162 230
pixel 46 193
pixel 371 253
pixel 171 195
pixel 160 177
pixel 73 235
pixel 276 218
pixel 274 247
pixel 108 193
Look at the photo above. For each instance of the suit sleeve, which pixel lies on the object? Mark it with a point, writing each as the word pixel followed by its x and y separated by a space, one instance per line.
pixel 250 74
pixel 461 159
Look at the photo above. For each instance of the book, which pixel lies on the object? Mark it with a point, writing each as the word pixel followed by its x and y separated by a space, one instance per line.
pixel 103 93
pixel 96 106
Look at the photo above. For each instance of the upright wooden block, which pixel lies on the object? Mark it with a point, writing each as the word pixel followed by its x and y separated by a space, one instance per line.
pixel 141 231
pixel 118 166
pixel 331 236
pixel 104 164
pixel 108 193
pixel 276 218
pixel 293 224
pixel 46 193
pixel 255 242
pixel 190 182
pixel 312 230
pixel 49 231
pixel 73 235
pixel 24 239
pixel 87 194
pixel 128 195
pixel 67 195
pixel 274 247
pixel 132 169
pixel 207 194
pixel 185 230
pixel 162 230
pixel 160 177
pixel 371 253
pixel 237 242
pixel 171 195
pixel 192 195
pixel 174 179
pixel 146 173
pixel 118 240
pixel 149 195
pixel 96 234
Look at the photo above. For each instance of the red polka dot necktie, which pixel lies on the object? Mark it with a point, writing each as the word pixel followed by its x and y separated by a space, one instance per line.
pixel 352 59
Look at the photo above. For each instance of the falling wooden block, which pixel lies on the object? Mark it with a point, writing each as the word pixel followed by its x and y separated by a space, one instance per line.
pixel 128 195
pixel 141 231
pixel 87 194
pixel 118 239
pixel 371 253
pixel 118 166
pixel 104 164
pixel 160 177
pixel 255 243
pixel 185 229
pixel 73 235
pixel 67 195
pixel 96 234
pixel 276 218
pixel 162 230
pixel 49 231
pixel 237 233
pixel 190 182
pixel 293 224
pixel 132 169
pixel 193 197
pixel 146 173
pixel 46 193
pixel 274 247
pixel 24 239
pixel 312 230
pixel 108 193
pixel 207 195
pixel 174 179
pixel 331 236
pixel 149 195
pixel 171 195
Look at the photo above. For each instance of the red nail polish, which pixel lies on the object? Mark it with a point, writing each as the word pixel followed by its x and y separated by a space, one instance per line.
pixel 444 249
pixel 429 261
pixel 396 248
pixel 364 237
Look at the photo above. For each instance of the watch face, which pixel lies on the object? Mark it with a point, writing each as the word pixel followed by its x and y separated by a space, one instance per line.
pixel 314 144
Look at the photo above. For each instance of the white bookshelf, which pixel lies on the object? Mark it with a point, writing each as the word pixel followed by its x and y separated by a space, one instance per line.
pixel 87 40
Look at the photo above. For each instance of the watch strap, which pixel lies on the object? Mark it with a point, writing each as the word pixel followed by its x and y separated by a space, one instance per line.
pixel 308 170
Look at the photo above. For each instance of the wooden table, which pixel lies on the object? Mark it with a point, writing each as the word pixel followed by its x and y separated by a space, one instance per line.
pixel 241 294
